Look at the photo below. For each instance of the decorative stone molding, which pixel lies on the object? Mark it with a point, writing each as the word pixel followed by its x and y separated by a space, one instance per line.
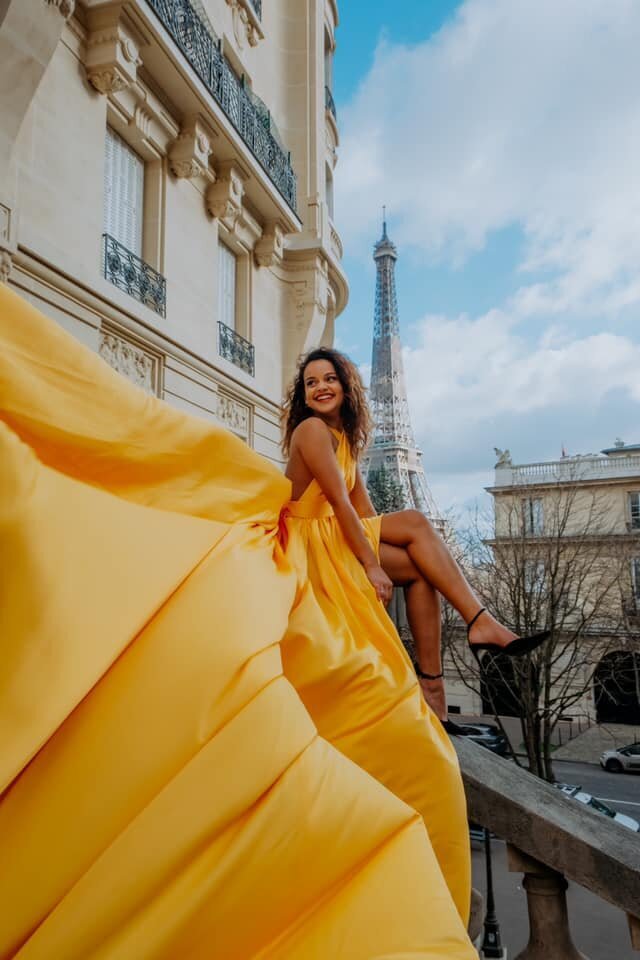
pixel 269 248
pixel 5 224
pixel 130 360
pixel 224 197
pixel 189 155
pixel 234 414
pixel 246 25
pixel 113 56
pixel 65 7
pixel 5 265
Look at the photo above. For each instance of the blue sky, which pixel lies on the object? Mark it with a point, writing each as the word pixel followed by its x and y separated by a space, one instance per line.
pixel 504 137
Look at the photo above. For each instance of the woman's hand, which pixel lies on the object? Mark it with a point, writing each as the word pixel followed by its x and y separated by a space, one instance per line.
pixel 434 693
pixel 380 582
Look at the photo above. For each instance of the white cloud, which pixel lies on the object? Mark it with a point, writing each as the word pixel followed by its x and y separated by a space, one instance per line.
pixel 519 113
pixel 464 372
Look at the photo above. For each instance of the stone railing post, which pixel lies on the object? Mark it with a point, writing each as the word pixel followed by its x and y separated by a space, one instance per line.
pixel 549 934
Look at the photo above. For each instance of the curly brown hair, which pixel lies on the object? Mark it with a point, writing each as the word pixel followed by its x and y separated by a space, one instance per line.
pixel 356 418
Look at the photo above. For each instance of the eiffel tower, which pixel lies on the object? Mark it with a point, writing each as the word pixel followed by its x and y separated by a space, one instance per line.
pixel 394 446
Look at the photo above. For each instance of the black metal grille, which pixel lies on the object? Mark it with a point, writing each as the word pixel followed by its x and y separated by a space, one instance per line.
pixel 133 275
pixel 235 348
pixel 330 103
pixel 203 51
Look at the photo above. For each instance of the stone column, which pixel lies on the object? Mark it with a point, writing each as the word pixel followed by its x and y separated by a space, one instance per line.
pixel 549 934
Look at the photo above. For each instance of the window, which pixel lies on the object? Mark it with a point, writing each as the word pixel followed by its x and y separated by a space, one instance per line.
pixel 329 190
pixel 635 578
pixel 534 573
pixel 123 193
pixel 328 60
pixel 533 516
pixel 634 510
pixel 227 285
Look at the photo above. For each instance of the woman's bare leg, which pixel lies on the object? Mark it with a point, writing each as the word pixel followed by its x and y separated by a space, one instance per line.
pixel 411 529
pixel 423 614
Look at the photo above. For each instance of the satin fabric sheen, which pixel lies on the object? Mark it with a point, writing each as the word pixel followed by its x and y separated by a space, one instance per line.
pixel 344 657
pixel 166 792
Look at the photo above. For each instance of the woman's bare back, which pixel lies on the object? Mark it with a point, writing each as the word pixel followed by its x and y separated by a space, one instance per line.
pixel 297 470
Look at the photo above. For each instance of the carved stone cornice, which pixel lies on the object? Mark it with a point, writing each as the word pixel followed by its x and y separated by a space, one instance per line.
pixel 65 7
pixel 224 197
pixel 246 25
pixel 269 248
pixel 113 55
pixel 190 152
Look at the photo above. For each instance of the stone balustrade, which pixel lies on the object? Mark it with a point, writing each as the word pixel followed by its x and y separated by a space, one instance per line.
pixel 551 840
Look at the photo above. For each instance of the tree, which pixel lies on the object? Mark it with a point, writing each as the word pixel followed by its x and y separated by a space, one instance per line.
pixel 386 492
pixel 556 565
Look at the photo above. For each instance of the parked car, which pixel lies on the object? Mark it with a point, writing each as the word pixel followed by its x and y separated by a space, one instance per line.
pixel 577 793
pixel 485 734
pixel 622 759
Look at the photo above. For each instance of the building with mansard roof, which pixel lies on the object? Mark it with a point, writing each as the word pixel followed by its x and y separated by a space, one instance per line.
pixel 166 174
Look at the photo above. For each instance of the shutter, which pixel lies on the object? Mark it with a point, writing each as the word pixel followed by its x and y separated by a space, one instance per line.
pixel 123 193
pixel 226 286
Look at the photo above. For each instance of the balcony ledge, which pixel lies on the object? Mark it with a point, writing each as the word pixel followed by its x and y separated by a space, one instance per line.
pixel 534 817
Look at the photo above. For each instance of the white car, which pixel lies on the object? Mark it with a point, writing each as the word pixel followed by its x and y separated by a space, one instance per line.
pixel 624 758
pixel 576 793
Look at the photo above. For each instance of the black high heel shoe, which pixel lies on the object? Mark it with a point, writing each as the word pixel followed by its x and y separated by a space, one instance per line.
pixel 516 648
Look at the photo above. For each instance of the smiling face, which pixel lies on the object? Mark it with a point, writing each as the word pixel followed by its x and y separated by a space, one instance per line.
pixel 323 392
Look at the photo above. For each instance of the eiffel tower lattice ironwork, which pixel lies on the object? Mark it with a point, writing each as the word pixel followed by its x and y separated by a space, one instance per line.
pixel 394 446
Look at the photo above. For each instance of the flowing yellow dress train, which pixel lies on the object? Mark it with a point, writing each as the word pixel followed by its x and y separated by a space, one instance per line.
pixel 164 792
pixel 344 657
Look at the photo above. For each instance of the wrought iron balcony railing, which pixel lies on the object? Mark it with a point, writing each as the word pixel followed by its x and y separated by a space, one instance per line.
pixel 131 274
pixel 203 51
pixel 235 348
pixel 330 103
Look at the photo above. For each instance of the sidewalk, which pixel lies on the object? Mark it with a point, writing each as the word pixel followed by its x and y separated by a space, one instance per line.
pixel 588 746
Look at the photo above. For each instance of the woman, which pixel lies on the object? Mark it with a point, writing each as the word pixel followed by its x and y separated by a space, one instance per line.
pixel 356 679
pixel 163 791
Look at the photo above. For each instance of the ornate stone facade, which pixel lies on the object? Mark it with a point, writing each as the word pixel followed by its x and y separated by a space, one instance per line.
pixel 225 216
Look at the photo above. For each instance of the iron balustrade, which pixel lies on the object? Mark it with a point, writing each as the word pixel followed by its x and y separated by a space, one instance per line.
pixel 246 112
pixel 330 103
pixel 233 347
pixel 131 274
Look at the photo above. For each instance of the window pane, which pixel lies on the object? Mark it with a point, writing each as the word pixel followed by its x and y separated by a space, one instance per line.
pixel 123 192
pixel 635 577
pixel 227 268
pixel 634 509
pixel 533 516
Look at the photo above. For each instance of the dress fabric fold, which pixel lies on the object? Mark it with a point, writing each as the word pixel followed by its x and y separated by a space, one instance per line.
pixel 166 791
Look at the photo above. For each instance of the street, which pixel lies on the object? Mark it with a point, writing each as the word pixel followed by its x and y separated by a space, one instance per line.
pixel 621 791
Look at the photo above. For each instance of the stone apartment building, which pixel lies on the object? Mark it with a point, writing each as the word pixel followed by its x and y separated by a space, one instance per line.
pixel 583 512
pixel 166 192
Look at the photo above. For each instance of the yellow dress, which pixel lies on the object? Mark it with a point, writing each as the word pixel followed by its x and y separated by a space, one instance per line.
pixel 345 658
pixel 164 792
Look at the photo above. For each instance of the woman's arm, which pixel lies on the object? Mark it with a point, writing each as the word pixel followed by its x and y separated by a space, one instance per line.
pixel 314 444
pixel 360 499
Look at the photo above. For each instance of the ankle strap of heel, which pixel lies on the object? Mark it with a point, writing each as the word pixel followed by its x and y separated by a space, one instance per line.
pixel 473 619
